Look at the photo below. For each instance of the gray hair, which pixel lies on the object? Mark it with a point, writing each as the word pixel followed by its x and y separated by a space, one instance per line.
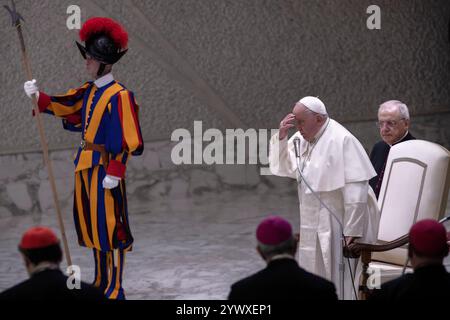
pixel 287 246
pixel 401 107
pixel 323 116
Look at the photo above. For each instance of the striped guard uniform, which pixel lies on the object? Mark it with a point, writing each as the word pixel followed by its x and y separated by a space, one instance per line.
pixel 105 113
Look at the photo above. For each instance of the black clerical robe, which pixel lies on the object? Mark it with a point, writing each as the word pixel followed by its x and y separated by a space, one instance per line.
pixel 378 157
pixel 426 283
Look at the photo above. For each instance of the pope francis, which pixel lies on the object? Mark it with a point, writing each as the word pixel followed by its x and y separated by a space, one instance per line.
pixel 337 168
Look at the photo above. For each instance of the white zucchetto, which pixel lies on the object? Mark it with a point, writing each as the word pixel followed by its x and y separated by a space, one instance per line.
pixel 314 104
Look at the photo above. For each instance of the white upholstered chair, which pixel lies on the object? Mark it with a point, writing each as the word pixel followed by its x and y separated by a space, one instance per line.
pixel 415 186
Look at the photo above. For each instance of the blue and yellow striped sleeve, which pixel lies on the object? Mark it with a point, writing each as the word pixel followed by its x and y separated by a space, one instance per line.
pixel 124 135
pixel 63 105
pixel 67 106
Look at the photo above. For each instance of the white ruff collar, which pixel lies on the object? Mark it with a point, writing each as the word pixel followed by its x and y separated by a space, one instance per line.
pixel 103 81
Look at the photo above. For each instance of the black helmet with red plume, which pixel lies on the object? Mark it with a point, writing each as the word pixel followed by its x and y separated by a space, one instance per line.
pixel 105 40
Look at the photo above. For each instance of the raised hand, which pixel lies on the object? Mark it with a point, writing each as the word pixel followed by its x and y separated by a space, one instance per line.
pixel 285 125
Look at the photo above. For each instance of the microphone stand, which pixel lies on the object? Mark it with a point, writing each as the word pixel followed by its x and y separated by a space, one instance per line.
pixel 341 227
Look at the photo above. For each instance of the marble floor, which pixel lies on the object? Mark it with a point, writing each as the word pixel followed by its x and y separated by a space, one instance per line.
pixel 185 248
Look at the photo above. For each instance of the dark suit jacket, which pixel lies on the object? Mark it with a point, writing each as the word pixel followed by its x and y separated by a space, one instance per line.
pixel 50 285
pixel 283 279
pixel 378 157
pixel 426 283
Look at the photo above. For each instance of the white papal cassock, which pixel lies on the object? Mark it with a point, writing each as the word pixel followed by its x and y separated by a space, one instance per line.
pixel 337 167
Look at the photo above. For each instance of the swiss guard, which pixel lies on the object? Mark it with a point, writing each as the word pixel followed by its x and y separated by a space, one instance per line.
pixel 106 114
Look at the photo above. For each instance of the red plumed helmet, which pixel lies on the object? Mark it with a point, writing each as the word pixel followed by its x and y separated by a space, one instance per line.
pixel 105 26
pixel 106 40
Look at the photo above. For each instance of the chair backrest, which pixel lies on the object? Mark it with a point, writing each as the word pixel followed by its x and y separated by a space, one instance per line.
pixel 415 186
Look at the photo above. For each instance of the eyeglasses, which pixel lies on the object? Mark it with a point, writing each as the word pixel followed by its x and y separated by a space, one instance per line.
pixel 388 123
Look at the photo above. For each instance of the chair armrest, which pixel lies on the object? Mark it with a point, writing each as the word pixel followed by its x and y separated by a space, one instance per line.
pixel 355 249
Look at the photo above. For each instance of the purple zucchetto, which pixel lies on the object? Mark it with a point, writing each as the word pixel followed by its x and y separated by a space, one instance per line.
pixel 429 238
pixel 273 231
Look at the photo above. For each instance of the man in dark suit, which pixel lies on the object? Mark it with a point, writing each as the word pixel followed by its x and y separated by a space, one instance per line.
pixel 42 255
pixel 393 122
pixel 282 279
pixel 428 246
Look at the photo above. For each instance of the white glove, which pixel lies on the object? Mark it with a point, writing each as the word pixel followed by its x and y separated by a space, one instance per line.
pixel 31 88
pixel 110 182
